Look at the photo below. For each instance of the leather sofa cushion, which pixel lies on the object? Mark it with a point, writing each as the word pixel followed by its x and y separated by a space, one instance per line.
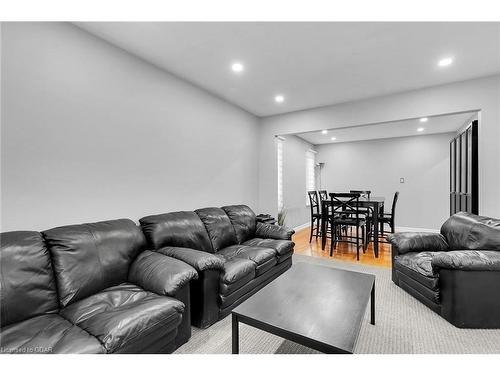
pixel 236 269
pixel 282 258
pixel 227 289
pixel 407 242
pixel 281 246
pixel 420 263
pixel 121 316
pixel 243 220
pixel 27 287
pixel 49 333
pixel 161 274
pixel 178 229
pixel 88 258
pixel 258 255
pixel 200 260
pixel 219 227
pixel 468 260
pixel 275 232
pixel 465 231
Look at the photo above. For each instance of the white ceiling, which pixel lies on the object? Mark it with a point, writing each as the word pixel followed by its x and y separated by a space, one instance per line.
pixel 405 128
pixel 311 64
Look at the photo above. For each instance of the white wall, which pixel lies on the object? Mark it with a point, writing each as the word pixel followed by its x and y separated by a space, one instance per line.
pixel 90 132
pixel 480 94
pixel 294 181
pixel 377 165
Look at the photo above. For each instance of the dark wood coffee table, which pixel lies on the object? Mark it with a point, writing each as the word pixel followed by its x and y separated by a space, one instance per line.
pixel 315 306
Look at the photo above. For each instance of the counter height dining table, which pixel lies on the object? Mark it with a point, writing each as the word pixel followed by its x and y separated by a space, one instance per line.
pixel 375 204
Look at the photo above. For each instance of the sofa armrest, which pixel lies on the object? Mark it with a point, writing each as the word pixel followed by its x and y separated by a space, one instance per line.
pixel 200 260
pixel 160 274
pixel 468 260
pixel 275 232
pixel 406 242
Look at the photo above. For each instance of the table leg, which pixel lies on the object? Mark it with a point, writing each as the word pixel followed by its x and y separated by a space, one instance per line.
pixel 236 346
pixel 372 305
pixel 323 225
pixel 375 229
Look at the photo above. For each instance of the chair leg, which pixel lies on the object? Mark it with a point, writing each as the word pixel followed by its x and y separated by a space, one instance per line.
pixel 357 242
pixel 364 232
pixel 312 228
pixel 332 240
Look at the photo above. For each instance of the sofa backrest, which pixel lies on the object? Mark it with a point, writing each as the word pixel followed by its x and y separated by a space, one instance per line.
pixel 27 286
pixel 179 229
pixel 244 221
pixel 464 231
pixel 219 227
pixel 88 258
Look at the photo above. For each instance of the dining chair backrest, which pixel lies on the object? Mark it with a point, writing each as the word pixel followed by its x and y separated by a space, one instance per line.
pixel 363 193
pixel 394 201
pixel 313 202
pixel 345 202
pixel 323 196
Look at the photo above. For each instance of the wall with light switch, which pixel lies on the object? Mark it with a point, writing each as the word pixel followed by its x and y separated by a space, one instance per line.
pixel 417 167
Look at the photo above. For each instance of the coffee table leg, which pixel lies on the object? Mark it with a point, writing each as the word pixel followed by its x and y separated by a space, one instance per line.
pixel 372 305
pixel 236 348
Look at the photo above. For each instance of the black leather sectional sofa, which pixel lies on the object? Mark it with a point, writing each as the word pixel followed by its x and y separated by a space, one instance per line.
pixel 233 254
pixel 456 273
pixel 99 287
pixel 91 288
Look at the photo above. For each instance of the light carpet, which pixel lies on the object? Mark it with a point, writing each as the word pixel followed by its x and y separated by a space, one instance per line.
pixel 403 325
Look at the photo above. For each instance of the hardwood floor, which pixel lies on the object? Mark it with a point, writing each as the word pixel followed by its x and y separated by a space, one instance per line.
pixel 343 252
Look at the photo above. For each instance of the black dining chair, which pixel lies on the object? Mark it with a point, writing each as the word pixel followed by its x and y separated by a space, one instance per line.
pixel 323 195
pixel 389 218
pixel 315 214
pixel 340 204
pixel 384 218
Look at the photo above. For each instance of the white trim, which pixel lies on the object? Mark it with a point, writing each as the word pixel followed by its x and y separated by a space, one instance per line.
pixel 398 229
pixel 302 226
pixel 412 229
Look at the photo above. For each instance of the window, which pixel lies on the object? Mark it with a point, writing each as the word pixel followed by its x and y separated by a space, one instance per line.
pixel 279 158
pixel 310 172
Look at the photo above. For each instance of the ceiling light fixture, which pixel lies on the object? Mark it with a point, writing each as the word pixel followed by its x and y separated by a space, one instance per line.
pixel 445 62
pixel 333 138
pixel 237 67
pixel 424 119
pixel 279 98
pixel 324 132
pixel 420 129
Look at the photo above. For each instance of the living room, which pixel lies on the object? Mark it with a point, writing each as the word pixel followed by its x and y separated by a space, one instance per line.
pixel 250 187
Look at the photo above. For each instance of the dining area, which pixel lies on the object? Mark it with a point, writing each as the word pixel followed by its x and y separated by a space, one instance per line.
pixel 354 221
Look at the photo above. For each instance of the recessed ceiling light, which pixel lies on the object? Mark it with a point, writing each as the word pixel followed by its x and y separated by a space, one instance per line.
pixel 279 98
pixel 324 132
pixel 333 138
pixel 237 67
pixel 445 62
pixel 420 129
pixel 424 119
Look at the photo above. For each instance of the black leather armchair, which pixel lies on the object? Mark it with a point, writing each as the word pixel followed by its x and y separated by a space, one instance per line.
pixel 91 288
pixel 456 273
pixel 233 254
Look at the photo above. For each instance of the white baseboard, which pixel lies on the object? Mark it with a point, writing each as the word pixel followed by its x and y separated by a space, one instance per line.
pixel 411 229
pixel 302 226
pixel 398 229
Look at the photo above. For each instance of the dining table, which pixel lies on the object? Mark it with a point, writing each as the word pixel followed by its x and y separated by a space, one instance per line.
pixel 375 204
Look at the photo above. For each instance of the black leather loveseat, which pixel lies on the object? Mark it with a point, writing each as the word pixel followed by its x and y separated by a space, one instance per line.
pixel 91 288
pixel 455 273
pixel 233 254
